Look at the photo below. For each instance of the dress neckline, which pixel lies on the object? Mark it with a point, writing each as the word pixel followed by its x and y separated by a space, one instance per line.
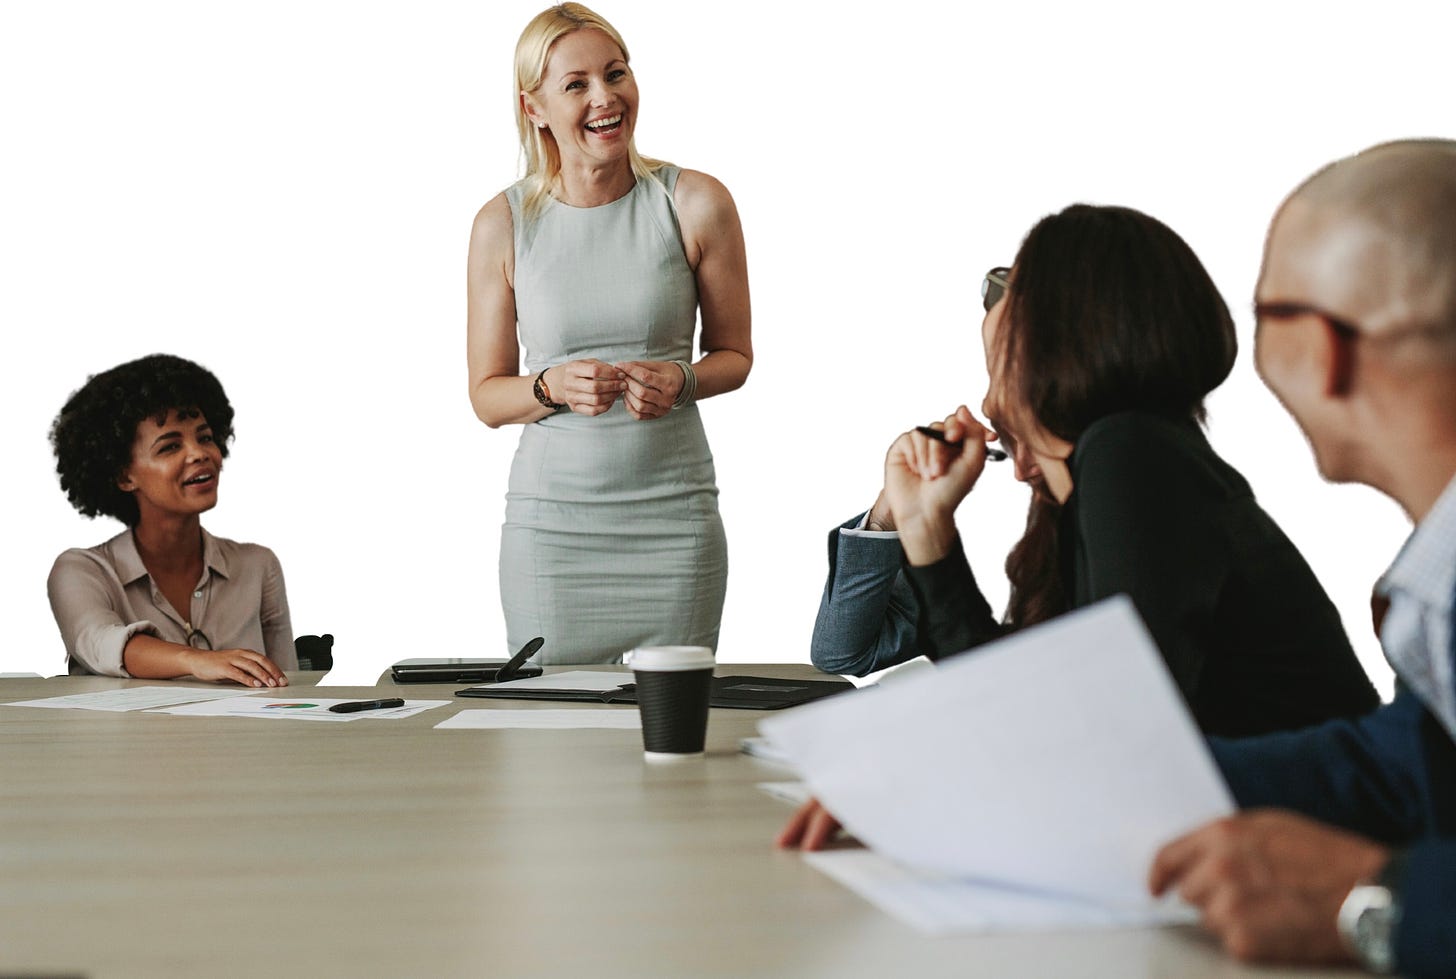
pixel 636 181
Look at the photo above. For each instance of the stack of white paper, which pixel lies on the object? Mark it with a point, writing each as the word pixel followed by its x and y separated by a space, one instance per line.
pixel 941 905
pixel 1057 760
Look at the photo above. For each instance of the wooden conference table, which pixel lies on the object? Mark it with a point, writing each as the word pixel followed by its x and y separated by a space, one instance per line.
pixel 136 844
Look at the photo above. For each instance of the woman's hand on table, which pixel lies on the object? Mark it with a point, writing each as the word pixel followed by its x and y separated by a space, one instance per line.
pixel 238 665
pixel 812 827
pixel 926 479
pixel 587 387
pixel 652 387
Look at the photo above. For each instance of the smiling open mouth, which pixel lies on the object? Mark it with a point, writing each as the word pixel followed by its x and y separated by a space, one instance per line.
pixel 198 480
pixel 604 126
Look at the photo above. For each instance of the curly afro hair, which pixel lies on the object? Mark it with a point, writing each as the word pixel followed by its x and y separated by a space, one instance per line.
pixel 93 434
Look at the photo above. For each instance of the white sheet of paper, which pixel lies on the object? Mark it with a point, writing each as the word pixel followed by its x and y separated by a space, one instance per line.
pixel 132 698
pixel 554 720
pixel 939 905
pixel 297 707
pixel 570 680
pixel 1058 759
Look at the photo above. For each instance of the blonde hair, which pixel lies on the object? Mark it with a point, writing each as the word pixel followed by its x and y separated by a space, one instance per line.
pixel 538 146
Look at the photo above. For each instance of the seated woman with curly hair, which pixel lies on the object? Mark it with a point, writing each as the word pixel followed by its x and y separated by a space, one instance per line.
pixel 144 443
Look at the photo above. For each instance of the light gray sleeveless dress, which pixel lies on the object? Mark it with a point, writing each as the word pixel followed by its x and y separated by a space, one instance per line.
pixel 612 537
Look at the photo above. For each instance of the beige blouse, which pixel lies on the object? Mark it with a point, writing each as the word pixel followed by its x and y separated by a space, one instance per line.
pixel 102 596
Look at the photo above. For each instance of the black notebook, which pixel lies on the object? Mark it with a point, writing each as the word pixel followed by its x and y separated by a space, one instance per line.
pixel 744 692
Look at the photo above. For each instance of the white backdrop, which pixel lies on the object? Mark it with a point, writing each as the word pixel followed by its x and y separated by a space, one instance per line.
pixel 283 192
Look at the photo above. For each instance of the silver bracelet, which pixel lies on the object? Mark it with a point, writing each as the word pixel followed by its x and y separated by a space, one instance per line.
pixel 690 386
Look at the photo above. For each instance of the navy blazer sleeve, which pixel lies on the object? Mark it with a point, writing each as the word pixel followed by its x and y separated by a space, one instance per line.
pixel 1425 941
pixel 866 619
pixel 1390 775
pixel 1371 775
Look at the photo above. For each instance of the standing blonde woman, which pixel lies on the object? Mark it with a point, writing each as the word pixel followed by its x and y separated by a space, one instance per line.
pixel 602 261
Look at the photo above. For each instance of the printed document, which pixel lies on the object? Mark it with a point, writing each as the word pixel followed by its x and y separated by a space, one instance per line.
pixel 133 698
pixel 296 705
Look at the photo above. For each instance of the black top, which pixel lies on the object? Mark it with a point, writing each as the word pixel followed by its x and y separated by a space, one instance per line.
pixel 1251 638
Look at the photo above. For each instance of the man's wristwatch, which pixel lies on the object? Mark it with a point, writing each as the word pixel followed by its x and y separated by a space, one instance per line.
pixel 543 393
pixel 1368 919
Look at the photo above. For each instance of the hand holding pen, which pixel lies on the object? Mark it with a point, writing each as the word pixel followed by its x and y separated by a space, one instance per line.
pixel 927 474
pixel 938 434
pixel 945 442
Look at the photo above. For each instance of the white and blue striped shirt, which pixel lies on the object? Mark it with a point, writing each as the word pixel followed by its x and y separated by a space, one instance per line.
pixel 1416 632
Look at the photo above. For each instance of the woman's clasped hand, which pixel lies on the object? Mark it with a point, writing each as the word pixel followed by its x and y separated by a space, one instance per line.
pixel 652 387
pixel 648 388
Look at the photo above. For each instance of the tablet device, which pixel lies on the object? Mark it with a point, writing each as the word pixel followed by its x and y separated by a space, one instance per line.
pixel 454 670
pixel 741 692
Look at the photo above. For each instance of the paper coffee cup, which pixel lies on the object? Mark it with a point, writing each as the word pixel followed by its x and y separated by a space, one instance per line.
pixel 673 688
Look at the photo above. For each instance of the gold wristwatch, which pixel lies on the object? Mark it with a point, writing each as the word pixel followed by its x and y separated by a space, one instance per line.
pixel 543 393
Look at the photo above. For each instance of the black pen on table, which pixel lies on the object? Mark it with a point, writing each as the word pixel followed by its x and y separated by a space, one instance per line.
pixel 517 661
pixel 992 455
pixel 358 705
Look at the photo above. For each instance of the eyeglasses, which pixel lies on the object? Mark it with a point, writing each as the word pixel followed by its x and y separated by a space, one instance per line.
pixel 1288 311
pixel 1344 329
pixel 994 286
pixel 197 639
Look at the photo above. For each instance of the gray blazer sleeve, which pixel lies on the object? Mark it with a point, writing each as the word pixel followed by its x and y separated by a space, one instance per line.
pixel 866 619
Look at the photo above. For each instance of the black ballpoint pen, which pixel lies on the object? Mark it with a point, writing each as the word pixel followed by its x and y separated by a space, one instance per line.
pixel 517 661
pixel 992 455
pixel 358 705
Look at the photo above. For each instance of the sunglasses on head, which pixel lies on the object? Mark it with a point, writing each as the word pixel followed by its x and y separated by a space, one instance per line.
pixel 994 286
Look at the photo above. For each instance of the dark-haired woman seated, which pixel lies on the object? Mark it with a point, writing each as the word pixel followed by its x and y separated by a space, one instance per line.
pixel 144 443
pixel 1101 344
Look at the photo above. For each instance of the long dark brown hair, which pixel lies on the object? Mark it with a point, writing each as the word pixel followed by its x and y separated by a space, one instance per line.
pixel 1108 311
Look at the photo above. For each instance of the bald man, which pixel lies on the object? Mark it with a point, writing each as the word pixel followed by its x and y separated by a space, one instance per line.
pixel 1356 309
